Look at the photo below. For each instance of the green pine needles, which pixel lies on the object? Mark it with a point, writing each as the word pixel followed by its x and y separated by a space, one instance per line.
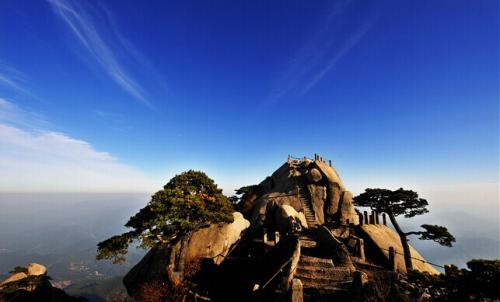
pixel 189 201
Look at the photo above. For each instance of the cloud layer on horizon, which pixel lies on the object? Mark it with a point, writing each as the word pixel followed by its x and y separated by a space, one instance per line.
pixel 34 159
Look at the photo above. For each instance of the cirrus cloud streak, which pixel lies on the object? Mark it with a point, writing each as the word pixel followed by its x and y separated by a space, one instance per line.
pixel 96 43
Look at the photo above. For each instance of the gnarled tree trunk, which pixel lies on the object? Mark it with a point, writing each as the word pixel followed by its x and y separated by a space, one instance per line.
pixel 404 242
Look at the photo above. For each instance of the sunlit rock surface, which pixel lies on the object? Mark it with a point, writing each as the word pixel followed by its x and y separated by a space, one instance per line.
pixel 384 237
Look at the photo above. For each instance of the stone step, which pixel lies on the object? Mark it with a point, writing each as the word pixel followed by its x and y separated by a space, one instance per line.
pixel 363 264
pixel 313 271
pixel 308 243
pixel 325 274
pixel 308 267
pixel 323 283
pixel 309 260
pixel 308 209
pixel 320 281
pixel 317 291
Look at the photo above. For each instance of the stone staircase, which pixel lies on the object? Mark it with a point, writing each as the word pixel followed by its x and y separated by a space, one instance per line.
pixel 305 198
pixel 321 280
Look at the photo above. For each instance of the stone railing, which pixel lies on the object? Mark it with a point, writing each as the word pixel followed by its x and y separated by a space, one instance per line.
pixel 372 218
pixel 305 158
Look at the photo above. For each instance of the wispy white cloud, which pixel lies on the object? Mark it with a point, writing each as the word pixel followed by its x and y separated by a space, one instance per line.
pixel 319 54
pixel 96 42
pixel 113 120
pixel 33 158
pixel 336 56
pixel 14 80
pixel 9 82
pixel 12 114
pixel 107 114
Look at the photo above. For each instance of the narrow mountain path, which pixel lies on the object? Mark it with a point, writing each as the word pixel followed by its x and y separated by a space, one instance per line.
pixel 321 279
pixel 305 199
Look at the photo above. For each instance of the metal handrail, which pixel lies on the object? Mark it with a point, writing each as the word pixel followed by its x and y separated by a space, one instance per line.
pixel 418 259
pixel 280 270
pixel 295 158
pixel 316 157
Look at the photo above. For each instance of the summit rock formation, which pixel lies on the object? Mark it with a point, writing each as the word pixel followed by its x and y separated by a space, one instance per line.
pixel 311 187
pixel 298 238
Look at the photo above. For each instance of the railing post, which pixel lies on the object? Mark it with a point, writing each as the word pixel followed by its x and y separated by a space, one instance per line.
pixel 372 218
pixel 392 259
pixel 297 291
pixel 256 293
pixel 366 217
pixel 376 217
pixel 361 219
pixel 362 249
pixel 359 278
pixel 330 162
pixel 384 219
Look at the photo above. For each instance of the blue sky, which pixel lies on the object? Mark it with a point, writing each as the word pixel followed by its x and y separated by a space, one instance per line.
pixel 121 95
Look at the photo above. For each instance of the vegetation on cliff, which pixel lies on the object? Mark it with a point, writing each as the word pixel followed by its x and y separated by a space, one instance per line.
pixel 477 283
pixel 187 202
